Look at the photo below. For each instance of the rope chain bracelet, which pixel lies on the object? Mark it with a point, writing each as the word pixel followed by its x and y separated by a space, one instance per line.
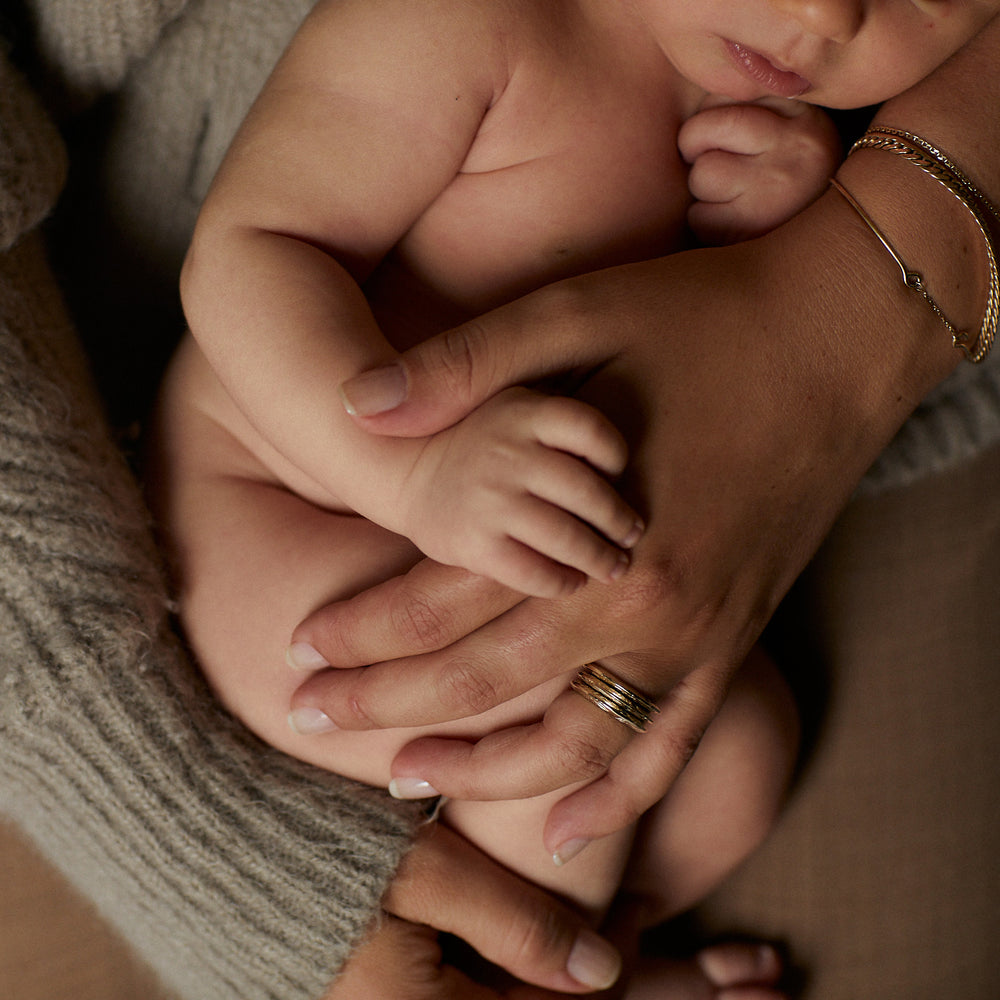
pixel 942 168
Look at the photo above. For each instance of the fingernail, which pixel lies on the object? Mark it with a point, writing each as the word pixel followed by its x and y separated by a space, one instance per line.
pixel 632 538
pixel 593 962
pixel 619 569
pixel 412 788
pixel 302 656
pixel 568 851
pixel 374 392
pixel 310 721
pixel 768 961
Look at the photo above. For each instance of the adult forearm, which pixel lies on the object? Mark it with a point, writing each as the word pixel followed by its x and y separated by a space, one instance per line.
pixel 933 233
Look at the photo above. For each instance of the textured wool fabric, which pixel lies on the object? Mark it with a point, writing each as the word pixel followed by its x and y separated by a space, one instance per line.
pixel 955 422
pixel 178 112
pixel 32 158
pixel 90 46
pixel 235 871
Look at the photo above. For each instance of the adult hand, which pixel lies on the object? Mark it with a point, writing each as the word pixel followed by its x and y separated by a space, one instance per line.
pixel 446 884
pixel 754 400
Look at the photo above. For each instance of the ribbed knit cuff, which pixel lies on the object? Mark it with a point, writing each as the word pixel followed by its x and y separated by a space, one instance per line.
pixel 238 873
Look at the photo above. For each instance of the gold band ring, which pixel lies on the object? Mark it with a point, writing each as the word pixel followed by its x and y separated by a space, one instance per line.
pixel 626 705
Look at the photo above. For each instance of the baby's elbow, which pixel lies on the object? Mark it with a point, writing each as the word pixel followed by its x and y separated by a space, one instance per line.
pixel 200 283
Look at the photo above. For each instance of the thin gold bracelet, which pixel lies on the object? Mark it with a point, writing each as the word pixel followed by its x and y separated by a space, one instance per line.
pixel 942 168
pixel 912 279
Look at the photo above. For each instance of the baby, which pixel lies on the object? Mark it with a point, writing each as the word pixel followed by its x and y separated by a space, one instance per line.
pixel 409 166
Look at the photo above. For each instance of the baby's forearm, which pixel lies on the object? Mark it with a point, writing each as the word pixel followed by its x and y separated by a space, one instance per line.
pixel 282 324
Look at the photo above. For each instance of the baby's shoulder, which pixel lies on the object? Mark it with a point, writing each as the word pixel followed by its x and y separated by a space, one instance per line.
pixel 479 38
pixel 484 32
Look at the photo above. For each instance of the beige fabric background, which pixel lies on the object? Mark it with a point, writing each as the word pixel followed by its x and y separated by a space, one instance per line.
pixel 52 946
pixel 884 875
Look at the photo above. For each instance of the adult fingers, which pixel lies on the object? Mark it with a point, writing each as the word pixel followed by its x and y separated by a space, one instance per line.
pixel 428 608
pixel 574 742
pixel 441 380
pixel 624 774
pixel 403 961
pixel 645 769
pixel 504 658
pixel 447 884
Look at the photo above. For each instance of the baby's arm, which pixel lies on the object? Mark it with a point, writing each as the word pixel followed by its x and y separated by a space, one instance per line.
pixel 754 166
pixel 366 119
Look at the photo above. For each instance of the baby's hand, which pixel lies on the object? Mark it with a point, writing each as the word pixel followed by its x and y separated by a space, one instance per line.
pixel 754 166
pixel 517 492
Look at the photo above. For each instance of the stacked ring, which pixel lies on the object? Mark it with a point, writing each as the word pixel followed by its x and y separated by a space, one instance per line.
pixel 601 688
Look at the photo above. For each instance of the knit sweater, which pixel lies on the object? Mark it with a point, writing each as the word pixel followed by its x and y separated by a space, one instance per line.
pixel 235 871
pixel 238 873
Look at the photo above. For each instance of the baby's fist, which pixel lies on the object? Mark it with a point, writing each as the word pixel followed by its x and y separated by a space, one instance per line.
pixel 754 166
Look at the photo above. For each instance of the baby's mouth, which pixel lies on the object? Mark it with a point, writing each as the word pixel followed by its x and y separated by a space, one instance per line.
pixel 760 69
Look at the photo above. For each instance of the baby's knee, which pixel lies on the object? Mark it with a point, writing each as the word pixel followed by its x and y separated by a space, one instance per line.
pixel 761 718
pixel 749 753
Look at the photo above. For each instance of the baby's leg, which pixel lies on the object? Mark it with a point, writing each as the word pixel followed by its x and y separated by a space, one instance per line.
pixel 252 559
pixel 511 832
pixel 726 800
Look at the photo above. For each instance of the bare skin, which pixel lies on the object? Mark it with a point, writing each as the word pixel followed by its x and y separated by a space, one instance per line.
pixel 850 352
pixel 238 502
pixel 250 454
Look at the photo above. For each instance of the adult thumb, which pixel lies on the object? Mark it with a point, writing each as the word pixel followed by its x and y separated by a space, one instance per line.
pixel 438 382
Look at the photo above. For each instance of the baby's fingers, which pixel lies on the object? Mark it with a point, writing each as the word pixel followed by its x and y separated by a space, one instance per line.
pixel 578 429
pixel 561 537
pixel 526 568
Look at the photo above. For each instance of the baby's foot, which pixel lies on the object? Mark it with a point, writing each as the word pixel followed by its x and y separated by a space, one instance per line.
pixel 721 972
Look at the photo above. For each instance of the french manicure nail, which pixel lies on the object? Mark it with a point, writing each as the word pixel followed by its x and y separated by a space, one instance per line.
pixel 568 851
pixel 310 721
pixel 374 392
pixel 412 788
pixel 302 656
pixel 593 962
